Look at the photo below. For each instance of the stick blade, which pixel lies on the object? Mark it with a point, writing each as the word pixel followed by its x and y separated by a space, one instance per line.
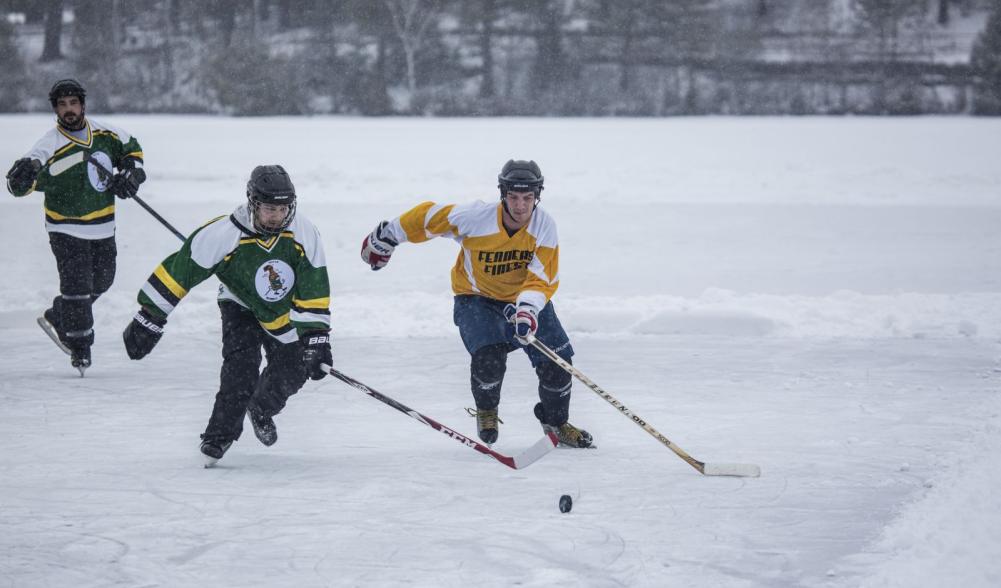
pixel 739 470
pixel 536 451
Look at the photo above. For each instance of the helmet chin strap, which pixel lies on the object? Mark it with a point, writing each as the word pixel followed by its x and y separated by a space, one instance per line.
pixel 535 205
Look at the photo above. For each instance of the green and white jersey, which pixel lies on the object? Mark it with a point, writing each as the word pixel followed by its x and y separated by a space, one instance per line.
pixel 77 200
pixel 282 279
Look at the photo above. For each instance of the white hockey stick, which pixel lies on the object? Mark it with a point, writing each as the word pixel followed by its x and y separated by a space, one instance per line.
pixel 742 470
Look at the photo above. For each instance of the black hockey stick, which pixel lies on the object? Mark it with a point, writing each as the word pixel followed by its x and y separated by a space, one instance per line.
pixel 742 470
pixel 517 462
pixel 106 176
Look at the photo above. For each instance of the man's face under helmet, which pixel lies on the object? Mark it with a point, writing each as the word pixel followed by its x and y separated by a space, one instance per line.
pixel 270 199
pixel 520 176
pixel 69 118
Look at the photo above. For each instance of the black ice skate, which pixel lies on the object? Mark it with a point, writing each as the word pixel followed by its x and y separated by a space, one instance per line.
pixel 569 435
pixel 264 427
pixel 80 358
pixel 48 323
pixel 213 450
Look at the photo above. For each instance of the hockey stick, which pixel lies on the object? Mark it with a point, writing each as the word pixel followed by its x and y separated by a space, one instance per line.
pixel 743 470
pixel 517 462
pixel 106 176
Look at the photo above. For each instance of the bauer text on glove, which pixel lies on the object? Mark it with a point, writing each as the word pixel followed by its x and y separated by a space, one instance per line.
pixel 316 352
pixel 143 333
pixel 378 247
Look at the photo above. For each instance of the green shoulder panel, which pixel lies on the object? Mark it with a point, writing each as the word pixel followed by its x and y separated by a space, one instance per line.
pixel 198 258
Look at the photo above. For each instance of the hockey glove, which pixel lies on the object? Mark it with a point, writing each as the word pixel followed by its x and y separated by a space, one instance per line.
pixel 316 352
pixel 143 333
pixel 23 174
pixel 525 319
pixel 125 184
pixel 377 248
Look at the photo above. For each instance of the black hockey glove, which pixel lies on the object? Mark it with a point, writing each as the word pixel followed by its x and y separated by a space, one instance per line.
pixel 125 184
pixel 143 333
pixel 23 174
pixel 316 352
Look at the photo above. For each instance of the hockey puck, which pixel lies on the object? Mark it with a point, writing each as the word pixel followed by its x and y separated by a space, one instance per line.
pixel 566 503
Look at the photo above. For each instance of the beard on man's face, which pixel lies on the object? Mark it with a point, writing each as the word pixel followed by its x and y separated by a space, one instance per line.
pixel 71 120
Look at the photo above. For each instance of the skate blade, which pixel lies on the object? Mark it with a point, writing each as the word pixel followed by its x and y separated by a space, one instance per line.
pixel 81 367
pixel 51 332
pixel 209 462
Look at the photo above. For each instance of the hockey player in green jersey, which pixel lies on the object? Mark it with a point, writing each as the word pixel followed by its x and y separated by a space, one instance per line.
pixel 274 295
pixel 66 164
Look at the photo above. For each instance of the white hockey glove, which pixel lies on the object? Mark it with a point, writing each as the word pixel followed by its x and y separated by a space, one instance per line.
pixel 525 319
pixel 378 247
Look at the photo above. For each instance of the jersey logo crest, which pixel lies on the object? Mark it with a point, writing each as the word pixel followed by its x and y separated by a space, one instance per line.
pixel 274 280
pixel 100 184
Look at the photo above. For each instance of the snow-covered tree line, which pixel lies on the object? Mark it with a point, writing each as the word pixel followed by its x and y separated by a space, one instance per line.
pixel 506 57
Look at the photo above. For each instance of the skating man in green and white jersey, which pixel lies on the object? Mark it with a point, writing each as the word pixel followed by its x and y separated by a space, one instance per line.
pixel 275 294
pixel 80 165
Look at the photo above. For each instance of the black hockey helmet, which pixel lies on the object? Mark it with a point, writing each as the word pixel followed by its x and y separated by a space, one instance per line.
pixel 520 176
pixel 270 184
pixel 67 87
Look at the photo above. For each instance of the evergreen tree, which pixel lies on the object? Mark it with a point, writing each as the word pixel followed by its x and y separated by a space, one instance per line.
pixel 986 62
pixel 12 66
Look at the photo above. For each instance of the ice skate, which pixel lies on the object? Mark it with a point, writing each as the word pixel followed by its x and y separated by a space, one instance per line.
pixel 569 435
pixel 48 323
pixel 486 423
pixel 264 427
pixel 213 450
pixel 80 358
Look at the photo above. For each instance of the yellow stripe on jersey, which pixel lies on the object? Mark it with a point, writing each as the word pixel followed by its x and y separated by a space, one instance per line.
pixel 213 220
pixel 321 303
pixel 176 289
pixel 277 323
pixel 90 216
pixel 269 243
pixel 112 134
pixel 60 151
pixel 135 154
pixel 86 143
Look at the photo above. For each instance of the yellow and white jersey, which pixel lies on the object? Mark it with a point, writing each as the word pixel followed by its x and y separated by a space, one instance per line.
pixel 520 268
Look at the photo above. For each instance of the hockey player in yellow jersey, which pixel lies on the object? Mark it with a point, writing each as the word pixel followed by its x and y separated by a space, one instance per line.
pixel 503 279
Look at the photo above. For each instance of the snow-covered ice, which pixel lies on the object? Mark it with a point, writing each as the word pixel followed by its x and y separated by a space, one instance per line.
pixel 821 297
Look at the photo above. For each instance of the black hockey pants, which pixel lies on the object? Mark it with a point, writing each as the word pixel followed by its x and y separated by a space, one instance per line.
pixel 86 270
pixel 240 385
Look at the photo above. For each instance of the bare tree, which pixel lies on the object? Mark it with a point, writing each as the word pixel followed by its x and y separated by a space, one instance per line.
pixel 53 30
pixel 986 62
pixel 943 12
pixel 886 19
pixel 628 38
pixel 550 59
pixel 411 19
pixel 487 88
